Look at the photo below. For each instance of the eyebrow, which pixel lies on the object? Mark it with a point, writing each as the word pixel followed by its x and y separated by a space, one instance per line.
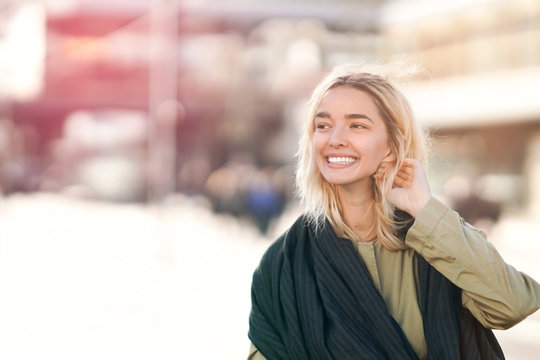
pixel 325 115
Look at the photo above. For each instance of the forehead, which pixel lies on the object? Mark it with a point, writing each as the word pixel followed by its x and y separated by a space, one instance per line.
pixel 344 99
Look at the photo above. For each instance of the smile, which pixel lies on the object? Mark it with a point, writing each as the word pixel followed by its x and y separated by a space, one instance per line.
pixel 341 160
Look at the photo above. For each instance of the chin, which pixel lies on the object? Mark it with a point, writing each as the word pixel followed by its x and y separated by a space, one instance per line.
pixel 338 181
pixel 342 181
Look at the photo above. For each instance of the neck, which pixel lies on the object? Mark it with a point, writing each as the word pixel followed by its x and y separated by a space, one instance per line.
pixel 358 211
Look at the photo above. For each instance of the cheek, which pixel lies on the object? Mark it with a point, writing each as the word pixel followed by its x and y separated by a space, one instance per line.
pixel 318 143
pixel 378 153
pixel 317 147
pixel 381 147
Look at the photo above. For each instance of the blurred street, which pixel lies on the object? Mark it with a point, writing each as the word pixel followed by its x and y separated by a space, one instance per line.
pixel 92 280
pixel 100 281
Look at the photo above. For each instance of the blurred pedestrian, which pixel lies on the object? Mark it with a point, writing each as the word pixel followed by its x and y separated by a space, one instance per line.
pixel 264 202
pixel 376 267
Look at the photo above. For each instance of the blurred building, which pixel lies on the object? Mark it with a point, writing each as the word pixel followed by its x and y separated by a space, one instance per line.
pixel 90 72
pixel 480 101
pixel 212 80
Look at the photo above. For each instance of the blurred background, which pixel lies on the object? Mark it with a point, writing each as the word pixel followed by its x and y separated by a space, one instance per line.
pixel 147 154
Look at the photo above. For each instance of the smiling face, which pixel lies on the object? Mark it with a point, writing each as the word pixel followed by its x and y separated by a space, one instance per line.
pixel 350 138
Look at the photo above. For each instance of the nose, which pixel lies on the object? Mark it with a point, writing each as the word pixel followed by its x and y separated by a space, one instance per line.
pixel 338 138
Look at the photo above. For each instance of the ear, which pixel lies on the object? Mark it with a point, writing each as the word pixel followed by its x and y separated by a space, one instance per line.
pixel 389 157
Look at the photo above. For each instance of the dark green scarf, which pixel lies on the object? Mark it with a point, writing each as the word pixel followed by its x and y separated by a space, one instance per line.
pixel 312 298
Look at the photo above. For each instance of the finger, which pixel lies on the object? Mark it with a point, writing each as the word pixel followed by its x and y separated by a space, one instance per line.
pixel 407 171
pixel 399 182
pixel 405 175
pixel 410 161
pixel 407 166
pixel 402 183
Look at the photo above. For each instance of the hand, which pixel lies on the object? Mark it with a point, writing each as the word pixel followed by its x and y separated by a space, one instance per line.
pixel 410 191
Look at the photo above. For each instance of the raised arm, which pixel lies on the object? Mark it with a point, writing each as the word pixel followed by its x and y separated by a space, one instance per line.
pixel 497 294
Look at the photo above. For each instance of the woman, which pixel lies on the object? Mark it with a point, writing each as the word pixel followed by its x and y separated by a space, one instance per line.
pixel 376 268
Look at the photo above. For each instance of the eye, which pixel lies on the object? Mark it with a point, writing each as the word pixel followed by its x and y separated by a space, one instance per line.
pixel 322 126
pixel 358 126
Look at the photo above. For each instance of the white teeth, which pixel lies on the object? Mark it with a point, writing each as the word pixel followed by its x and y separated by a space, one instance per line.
pixel 341 160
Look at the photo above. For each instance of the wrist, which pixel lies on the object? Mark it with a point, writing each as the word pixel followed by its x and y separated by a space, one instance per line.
pixel 418 204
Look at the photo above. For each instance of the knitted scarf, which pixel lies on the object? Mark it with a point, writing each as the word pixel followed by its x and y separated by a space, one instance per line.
pixel 313 298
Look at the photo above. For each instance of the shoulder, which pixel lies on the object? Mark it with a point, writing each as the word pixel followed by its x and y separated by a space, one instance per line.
pixel 274 256
pixel 290 238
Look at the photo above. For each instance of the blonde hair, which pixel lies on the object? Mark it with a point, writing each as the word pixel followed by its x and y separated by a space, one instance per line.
pixel 405 139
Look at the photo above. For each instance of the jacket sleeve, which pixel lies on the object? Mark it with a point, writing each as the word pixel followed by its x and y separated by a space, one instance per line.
pixel 254 354
pixel 495 293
